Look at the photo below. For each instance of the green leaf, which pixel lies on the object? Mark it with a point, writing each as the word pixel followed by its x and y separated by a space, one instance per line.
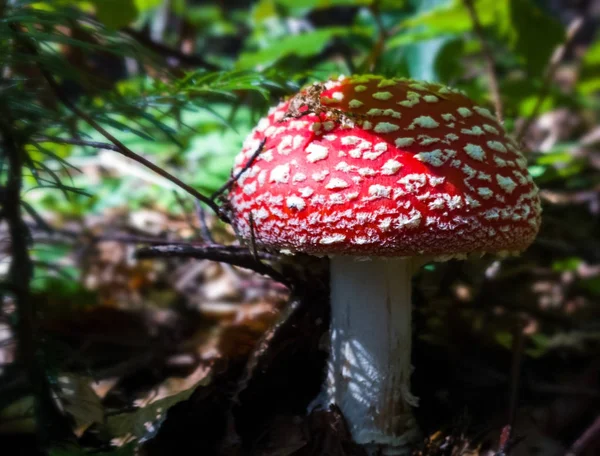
pixel 116 13
pixel 77 398
pixel 303 45
pixel 589 79
pixel 422 56
pixel 510 21
pixel 319 4
pixel 534 44
pixel 144 5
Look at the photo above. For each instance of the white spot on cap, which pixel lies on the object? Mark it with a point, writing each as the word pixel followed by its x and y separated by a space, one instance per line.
pixel 417 86
pixel 382 95
pixel 267 155
pixel 402 142
pixel 506 183
pixel 280 174
pixel 386 83
pixel 336 184
pixel 484 112
pixel 424 122
pixel 295 202
pixel 320 175
pixel 413 181
pixel 339 96
pixel 465 112
pixel 316 152
pixel 431 99
pixel 425 140
pixel 472 202
pixel 485 192
pixel 448 117
pixel 490 129
pixel 297 141
pixel 390 167
pixel 306 192
pixel 385 127
pixel 412 220
pixel 375 112
pixel 437 203
pixel 366 125
pixel 350 140
pixel 409 103
pixel 379 149
pixel 499 161
pixel 483 176
pixel 262 176
pixel 475 131
pixel 436 180
pixel 344 167
pixel 355 103
pixel 384 224
pixel 497 146
pixel 249 189
pixel 380 191
pixel 475 152
pixel 392 113
pixel 367 172
pixel 262 124
pixel 360 88
pixel 436 157
pixel 299 177
pixel 284 147
pixel 332 239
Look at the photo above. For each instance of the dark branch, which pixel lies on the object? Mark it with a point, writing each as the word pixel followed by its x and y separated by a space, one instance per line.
pixel 122 149
pixel 227 185
pixel 234 255
pixel 490 64
pixel 557 56
pixel 586 440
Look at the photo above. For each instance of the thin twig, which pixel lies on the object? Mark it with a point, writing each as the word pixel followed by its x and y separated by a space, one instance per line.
pixel 234 255
pixel 490 63
pixel 204 230
pixel 253 237
pixel 122 149
pixel 557 57
pixel 227 185
pixel 591 433
pixel 515 377
pixel 77 142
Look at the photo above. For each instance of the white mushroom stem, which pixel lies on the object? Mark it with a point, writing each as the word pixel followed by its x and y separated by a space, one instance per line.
pixel 369 369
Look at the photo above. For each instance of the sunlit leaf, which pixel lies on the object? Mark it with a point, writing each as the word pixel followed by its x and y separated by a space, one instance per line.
pixel 145 422
pixel 303 45
pixel 589 80
pixel 116 13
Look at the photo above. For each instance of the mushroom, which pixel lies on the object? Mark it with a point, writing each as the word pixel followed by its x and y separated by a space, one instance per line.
pixel 382 176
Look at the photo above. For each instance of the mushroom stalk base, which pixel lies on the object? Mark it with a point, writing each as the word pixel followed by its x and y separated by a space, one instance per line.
pixel 369 366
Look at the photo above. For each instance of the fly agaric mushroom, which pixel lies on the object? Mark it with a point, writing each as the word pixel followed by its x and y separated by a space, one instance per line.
pixel 381 175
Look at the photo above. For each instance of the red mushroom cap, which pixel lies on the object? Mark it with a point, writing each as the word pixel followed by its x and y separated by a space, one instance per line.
pixel 386 167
